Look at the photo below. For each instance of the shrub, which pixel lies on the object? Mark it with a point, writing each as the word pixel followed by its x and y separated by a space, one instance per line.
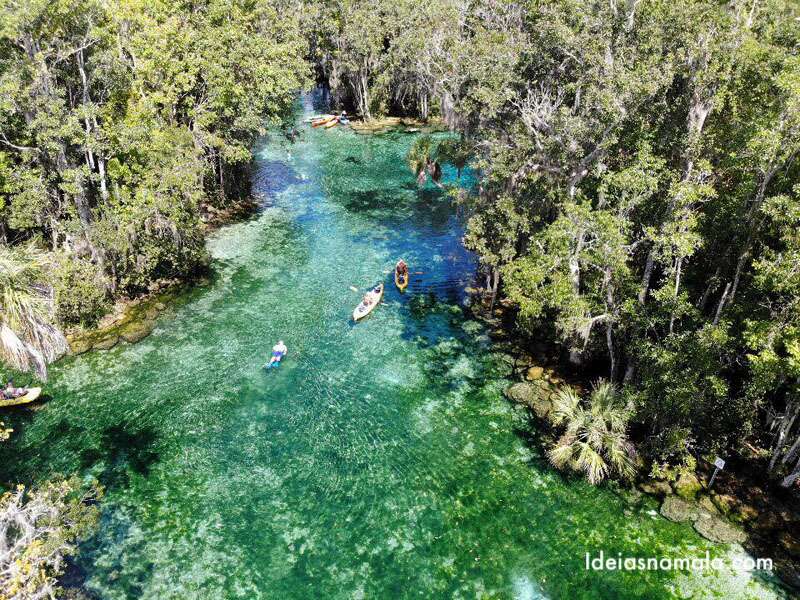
pixel 80 293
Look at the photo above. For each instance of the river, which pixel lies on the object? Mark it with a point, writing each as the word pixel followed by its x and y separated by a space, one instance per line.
pixel 380 461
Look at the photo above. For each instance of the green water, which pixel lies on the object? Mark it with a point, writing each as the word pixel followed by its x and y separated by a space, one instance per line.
pixel 380 461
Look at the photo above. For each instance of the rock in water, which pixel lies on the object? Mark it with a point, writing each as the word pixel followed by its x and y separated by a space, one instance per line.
pixel 534 395
pixel 522 393
pixel 680 511
pixel 656 488
pixel 137 331
pixel 107 343
pixel 80 345
pixel 534 373
pixel 687 486
pixel 718 530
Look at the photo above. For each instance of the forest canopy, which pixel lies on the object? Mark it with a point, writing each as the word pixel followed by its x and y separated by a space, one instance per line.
pixel 636 165
pixel 637 188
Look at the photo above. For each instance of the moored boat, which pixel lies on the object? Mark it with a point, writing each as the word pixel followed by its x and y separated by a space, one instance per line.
pixel 30 396
pixel 331 123
pixel 374 296
pixel 324 121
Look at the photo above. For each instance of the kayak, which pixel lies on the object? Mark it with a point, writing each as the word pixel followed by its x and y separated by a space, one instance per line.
pixel 33 394
pixel 399 281
pixel 324 121
pixel 362 311
pixel 316 118
pixel 331 123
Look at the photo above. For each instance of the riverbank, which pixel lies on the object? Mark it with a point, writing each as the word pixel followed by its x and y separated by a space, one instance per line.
pixel 742 507
pixel 132 319
pixel 379 125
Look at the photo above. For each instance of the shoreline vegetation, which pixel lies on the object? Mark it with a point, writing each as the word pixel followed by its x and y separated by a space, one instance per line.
pixel 633 202
pixel 740 508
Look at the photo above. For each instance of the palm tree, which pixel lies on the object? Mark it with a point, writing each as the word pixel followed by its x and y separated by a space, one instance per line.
pixel 28 338
pixel 421 161
pixel 594 440
pixel 456 152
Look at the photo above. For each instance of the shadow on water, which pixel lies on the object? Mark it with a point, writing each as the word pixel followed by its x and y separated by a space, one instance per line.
pixel 273 177
pixel 113 456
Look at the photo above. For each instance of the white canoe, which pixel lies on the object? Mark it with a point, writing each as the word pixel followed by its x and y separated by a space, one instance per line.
pixel 375 294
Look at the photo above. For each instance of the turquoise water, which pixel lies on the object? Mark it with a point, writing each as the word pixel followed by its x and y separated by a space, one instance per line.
pixel 380 461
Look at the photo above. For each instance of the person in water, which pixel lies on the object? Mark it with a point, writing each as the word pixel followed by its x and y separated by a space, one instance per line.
pixel 279 350
pixel 343 118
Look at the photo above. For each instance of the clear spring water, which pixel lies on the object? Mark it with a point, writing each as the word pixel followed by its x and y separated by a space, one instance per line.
pixel 380 461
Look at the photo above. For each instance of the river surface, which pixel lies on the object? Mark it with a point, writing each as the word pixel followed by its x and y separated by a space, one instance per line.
pixel 380 461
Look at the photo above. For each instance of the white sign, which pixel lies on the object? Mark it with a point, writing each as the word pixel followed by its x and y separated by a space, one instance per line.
pixel 719 463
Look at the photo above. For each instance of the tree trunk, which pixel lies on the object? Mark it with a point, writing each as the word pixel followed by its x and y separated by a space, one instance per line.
pixel 675 293
pixel 721 304
pixel 790 479
pixel 648 273
pixel 495 285
pixel 86 101
pixel 789 417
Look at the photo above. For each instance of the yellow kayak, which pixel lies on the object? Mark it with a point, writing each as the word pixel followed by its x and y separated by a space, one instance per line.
pixel 400 281
pixel 331 123
pixel 33 394
pixel 374 296
pixel 323 121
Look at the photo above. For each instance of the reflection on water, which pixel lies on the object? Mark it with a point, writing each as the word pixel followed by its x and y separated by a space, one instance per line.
pixel 379 461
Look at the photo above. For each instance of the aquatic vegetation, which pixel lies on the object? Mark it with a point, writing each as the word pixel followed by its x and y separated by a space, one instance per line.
pixel 381 460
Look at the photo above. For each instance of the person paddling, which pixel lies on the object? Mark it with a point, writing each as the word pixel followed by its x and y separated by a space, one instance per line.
pixel 279 350
pixel 402 270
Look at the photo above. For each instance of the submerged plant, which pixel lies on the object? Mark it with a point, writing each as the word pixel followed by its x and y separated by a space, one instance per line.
pixel 594 440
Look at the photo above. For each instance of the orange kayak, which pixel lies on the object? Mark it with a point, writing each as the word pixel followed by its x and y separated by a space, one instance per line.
pixel 323 121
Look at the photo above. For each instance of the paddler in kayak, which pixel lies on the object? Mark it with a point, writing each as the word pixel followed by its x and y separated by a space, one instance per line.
pixel 279 350
pixel 402 268
pixel 343 120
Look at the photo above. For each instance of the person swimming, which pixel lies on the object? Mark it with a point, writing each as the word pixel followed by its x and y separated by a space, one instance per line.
pixel 279 350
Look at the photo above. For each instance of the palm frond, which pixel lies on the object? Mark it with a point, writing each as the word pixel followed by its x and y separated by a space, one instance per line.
pixel 28 337
pixel 561 455
pixel 592 463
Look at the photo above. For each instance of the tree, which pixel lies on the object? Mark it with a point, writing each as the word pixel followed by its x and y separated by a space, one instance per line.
pixel 594 440
pixel 38 529
pixel 422 161
pixel 28 338
pixel 122 122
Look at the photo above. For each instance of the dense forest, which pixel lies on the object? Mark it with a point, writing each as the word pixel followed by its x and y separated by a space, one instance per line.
pixel 637 188
pixel 636 164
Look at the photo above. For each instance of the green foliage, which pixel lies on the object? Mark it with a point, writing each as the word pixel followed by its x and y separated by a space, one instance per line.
pixel 685 387
pixel 594 439
pixel 80 295
pixel 122 120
